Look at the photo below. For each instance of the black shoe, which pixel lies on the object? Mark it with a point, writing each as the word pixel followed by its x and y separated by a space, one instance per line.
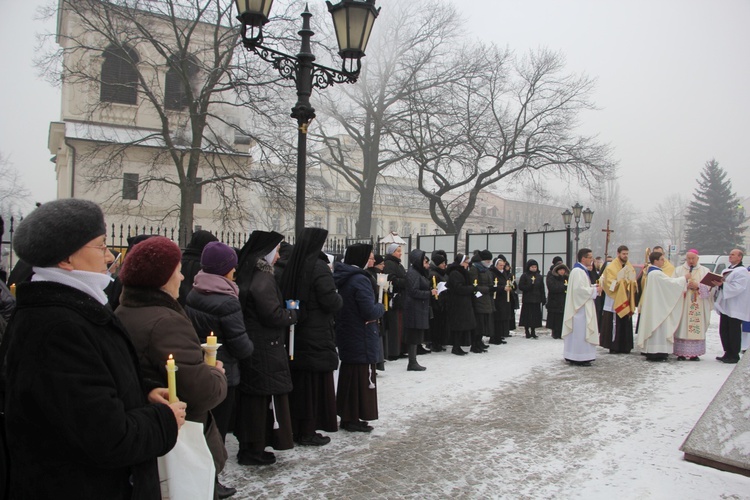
pixel 730 361
pixel 694 358
pixel 314 440
pixel 458 351
pixel 681 358
pixel 422 350
pixel 256 458
pixel 477 350
pixel 357 426
pixel 437 348
pixel 533 336
pixel 224 491
pixel 721 358
pixel 415 367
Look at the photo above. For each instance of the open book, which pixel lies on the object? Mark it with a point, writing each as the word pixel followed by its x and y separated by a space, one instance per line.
pixel 709 279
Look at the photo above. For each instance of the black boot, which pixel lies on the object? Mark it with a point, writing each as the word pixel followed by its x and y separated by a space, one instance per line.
pixel 528 335
pixel 533 334
pixel 458 351
pixel 224 491
pixel 413 366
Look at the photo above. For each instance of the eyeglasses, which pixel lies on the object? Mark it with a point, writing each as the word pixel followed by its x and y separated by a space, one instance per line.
pixel 102 247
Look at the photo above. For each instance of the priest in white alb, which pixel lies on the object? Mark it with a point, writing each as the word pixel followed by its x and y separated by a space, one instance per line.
pixel 661 310
pixel 580 330
pixel 697 303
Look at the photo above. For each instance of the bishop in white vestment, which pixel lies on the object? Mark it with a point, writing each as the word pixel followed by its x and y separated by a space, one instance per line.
pixel 697 303
pixel 661 310
pixel 580 330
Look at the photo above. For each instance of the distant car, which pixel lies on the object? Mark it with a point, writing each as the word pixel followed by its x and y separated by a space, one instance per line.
pixel 714 263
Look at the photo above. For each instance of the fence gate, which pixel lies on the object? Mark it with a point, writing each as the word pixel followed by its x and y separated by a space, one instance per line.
pixel 430 243
pixel 497 243
pixel 545 246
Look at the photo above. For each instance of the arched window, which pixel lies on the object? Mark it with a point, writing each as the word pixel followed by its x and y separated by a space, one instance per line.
pixel 119 75
pixel 178 73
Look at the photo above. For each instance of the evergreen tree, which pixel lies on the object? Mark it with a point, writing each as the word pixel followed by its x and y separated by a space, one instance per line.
pixel 714 223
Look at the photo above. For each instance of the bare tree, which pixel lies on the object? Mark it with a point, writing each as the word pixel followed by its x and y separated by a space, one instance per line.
pixel 13 193
pixel 187 104
pixel 409 37
pixel 503 119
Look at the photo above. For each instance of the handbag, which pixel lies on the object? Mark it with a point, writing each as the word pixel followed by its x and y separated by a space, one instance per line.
pixel 187 472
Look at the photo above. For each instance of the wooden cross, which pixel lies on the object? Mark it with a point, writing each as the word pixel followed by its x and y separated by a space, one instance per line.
pixel 606 242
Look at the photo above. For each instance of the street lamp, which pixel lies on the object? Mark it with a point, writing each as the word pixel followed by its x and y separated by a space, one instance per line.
pixel 352 20
pixel 576 214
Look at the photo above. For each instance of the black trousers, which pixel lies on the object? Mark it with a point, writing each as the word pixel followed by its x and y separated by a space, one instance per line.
pixel 730 331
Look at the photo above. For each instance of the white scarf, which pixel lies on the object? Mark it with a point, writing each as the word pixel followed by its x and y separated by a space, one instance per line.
pixel 269 258
pixel 88 282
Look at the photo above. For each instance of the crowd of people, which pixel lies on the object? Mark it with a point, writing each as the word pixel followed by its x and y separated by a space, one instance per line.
pixel 88 396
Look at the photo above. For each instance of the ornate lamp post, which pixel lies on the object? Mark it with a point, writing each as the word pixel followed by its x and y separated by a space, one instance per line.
pixel 568 216
pixel 353 20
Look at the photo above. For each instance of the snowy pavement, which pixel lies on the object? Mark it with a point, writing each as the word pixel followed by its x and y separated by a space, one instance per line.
pixel 515 422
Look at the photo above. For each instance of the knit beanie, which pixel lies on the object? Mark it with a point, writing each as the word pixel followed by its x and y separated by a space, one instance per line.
pixel 485 255
pixel 378 259
pixel 391 248
pixel 218 258
pixel 56 230
pixel 150 263
pixel 556 260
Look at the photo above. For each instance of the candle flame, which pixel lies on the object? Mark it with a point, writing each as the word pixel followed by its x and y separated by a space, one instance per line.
pixel 171 357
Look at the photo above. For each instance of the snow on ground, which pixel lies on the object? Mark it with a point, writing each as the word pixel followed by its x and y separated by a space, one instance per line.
pixel 516 422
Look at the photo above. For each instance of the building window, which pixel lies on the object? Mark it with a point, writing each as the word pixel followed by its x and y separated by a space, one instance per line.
pixel 176 95
pixel 393 226
pixel 129 186
pixel 198 191
pixel 317 221
pixel 119 75
pixel 406 229
pixel 423 229
pixel 340 225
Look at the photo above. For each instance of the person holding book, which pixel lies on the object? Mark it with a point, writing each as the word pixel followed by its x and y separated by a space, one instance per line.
pixel 733 305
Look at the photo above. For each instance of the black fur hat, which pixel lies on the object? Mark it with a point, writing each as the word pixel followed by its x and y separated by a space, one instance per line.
pixel 56 230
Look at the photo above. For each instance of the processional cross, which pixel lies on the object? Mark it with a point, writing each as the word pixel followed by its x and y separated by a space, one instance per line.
pixel 606 242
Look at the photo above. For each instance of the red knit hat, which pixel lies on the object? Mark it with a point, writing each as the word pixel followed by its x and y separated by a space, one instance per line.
pixel 150 263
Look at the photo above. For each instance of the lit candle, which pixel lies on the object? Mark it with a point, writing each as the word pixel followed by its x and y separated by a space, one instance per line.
pixel 434 285
pixel 385 300
pixel 171 380
pixel 494 295
pixel 13 289
pixel 475 282
pixel 211 339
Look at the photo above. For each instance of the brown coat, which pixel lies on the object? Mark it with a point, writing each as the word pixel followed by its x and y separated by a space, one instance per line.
pixel 159 327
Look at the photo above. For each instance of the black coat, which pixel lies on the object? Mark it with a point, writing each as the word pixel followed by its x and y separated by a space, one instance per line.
pixel 556 286
pixel 191 264
pixel 485 286
pixel 78 421
pixel 460 294
pixel 357 334
pixel 503 307
pixel 397 276
pixel 533 290
pixel 222 315
pixel 417 294
pixel 266 372
pixel 315 342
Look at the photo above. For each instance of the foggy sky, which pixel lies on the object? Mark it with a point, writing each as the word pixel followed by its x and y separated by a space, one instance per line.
pixel 673 83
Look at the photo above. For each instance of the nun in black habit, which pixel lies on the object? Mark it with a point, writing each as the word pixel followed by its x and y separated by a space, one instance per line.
pixel 308 278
